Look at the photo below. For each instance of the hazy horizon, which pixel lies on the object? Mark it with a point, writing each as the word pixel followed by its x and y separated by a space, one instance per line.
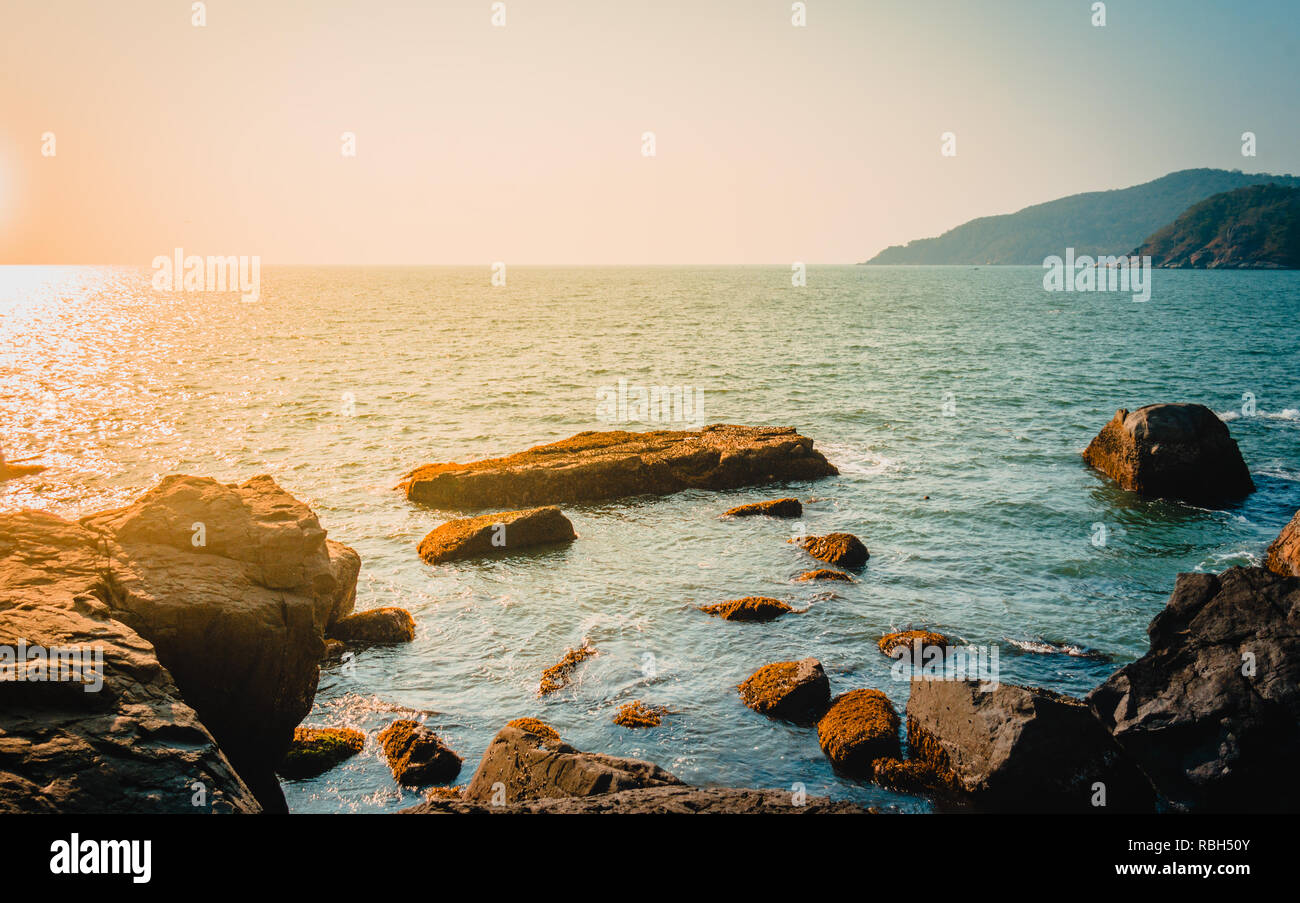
pixel 523 143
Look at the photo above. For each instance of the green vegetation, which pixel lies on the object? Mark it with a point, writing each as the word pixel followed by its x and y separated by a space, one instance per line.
pixel 1098 222
pixel 1253 227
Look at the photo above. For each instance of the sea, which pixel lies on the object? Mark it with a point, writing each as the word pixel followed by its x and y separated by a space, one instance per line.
pixel 955 402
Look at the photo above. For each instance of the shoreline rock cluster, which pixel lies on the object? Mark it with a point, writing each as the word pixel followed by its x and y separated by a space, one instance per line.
pixel 214 605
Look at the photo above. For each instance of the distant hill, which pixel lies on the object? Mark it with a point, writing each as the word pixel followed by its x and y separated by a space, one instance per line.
pixel 1253 227
pixel 1097 222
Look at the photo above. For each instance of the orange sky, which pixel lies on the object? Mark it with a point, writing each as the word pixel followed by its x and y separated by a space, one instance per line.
pixel 523 144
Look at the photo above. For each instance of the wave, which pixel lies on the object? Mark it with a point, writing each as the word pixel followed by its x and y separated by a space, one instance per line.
pixel 1047 647
pixel 1284 414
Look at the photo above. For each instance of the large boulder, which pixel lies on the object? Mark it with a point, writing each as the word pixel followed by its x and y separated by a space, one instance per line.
pixel 595 466
pixel 1175 451
pixel 1212 712
pixel 667 800
pixel 487 534
pixel 114 735
pixel 1283 556
pixel 527 760
pixel 1020 749
pixel 793 691
pixel 234 585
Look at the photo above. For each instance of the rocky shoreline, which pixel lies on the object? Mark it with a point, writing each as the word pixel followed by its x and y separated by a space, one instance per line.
pixel 214 604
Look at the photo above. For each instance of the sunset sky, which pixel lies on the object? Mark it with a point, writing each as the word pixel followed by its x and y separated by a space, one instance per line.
pixel 523 144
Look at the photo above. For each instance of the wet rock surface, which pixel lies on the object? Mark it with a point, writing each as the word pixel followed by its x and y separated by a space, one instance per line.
pixel 595 466
pixel 495 534
pixel 1175 451
pixel 1212 712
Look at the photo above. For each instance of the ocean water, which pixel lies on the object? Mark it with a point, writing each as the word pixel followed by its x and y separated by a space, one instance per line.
pixel 971 386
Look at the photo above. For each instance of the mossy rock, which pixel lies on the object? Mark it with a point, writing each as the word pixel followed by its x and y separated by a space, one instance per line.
pixel 750 608
pixel 639 714
pixel 859 727
pixel 890 643
pixel 315 750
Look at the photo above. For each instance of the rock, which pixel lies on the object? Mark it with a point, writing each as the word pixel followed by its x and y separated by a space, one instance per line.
pixel 639 714
pixel 859 727
pixel 670 800
pixel 912 640
pixel 416 755
pixel 315 750
pixel 794 691
pixel 596 466
pixel 234 586
pixel 557 676
pixel 509 531
pixel 334 651
pixel 824 574
pixel 530 761
pixel 1020 748
pixel 1175 451
pixel 776 508
pixel 840 549
pixel 1284 553
pixel 14 471
pixel 131 746
pixel 1212 712
pixel 750 608
pixel 915 776
pixel 377 626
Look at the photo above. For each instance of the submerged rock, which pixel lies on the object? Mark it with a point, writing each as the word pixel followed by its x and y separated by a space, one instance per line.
pixel 315 750
pixel 1175 451
pixel 529 761
pixel 416 755
pixel 860 727
pixel 824 574
pixel 596 466
pixel 1212 712
pixel 794 691
pixel 840 549
pixel 639 714
pixel 375 627
pixel 557 676
pixel 775 508
pixel 668 800
pixel 132 744
pixel 911 640
pixel 1283 556
pixel 509 531
pixel 750 608
pixel 1020 749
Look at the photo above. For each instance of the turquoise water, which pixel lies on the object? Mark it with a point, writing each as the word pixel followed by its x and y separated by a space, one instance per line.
pixel 971 386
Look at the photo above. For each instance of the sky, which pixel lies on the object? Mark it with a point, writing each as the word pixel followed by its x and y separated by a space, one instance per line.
pixel 478 143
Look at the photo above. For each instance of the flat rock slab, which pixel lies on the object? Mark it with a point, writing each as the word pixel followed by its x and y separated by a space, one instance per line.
pixel 489 534
pixel 1174 451
pixel 596 466
pixel 774 508
pixel 755 609
pixel 653 801
pixel 1212 712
